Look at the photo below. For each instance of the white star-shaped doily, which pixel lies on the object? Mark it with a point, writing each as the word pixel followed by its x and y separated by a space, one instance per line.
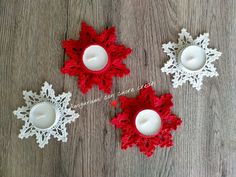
pixel 64 115
pixel 180 75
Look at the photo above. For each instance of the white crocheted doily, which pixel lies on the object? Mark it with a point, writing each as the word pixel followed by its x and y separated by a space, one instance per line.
pixel 60 102
pixel 180 75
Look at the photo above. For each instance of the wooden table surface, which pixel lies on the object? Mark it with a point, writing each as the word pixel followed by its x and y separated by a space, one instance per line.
pixel 30 53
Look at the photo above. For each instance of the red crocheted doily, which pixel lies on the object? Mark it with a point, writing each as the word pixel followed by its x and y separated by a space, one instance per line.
pixel 146 100
pixel 116 54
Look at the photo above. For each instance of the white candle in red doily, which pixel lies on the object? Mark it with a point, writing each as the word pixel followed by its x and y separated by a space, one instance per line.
pixel 192 58
pixel 148 122
pixel 95 58
pixel 43 115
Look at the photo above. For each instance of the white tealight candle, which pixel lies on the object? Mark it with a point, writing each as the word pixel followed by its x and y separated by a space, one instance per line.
pixel 95 57
pixel 192 58
pixel 43 115
pixel 148 122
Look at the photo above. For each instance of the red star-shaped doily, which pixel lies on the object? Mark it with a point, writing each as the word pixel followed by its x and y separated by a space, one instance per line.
pixel 146 100
pixel 116 53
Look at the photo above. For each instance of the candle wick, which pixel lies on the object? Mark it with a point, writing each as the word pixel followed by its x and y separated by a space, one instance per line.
pixel 190 58
pixel 143 121
pixel 92 58
pixel 40 115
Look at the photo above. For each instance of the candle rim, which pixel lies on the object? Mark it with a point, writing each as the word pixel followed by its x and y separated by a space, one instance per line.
pixel 108 59
pixel 135 127
pixel 184 67
pixel 57 115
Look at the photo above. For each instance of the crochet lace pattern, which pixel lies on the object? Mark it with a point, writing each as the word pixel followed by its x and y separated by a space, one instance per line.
pixel 180 76
pixel 116 54
pixel 61 102
pixel 147 99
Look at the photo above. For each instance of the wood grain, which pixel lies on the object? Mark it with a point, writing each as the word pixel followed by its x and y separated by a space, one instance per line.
pixel 30 53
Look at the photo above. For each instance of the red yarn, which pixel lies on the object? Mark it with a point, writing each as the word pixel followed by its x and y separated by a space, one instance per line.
pixel 86 78
pixel 114 103
pixel 146 100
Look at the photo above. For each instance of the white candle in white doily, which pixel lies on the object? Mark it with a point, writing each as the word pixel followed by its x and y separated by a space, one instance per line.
pixel 43 115
pixel 95 57
pixel 148 122
pixel 192 58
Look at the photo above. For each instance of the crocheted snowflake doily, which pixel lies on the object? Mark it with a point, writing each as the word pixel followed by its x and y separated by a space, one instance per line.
pixel 147 99
pixel 75 66
pixel 65 115
pixel 180 75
